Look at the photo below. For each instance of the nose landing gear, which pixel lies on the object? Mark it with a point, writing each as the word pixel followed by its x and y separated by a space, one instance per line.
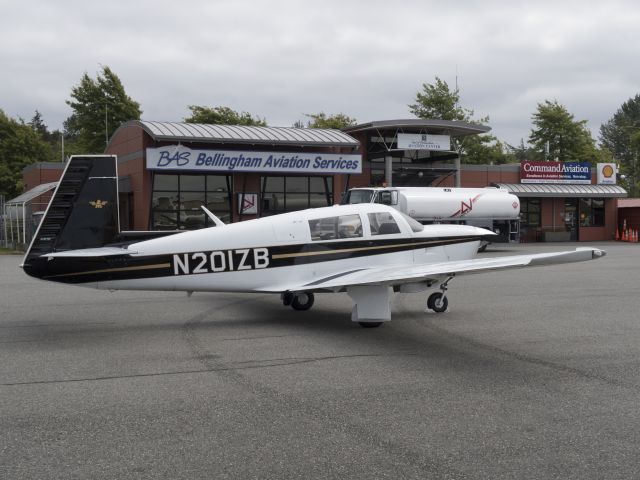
pixel 438 301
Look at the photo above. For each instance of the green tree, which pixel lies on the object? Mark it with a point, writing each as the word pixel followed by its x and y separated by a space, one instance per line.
pixel 523 152
pixel 439 101
pixel 620 135
pixel 20 146
pixel 322 120
pixel 52 138
pixel 99 107
pixel 222 116
pixel 558 133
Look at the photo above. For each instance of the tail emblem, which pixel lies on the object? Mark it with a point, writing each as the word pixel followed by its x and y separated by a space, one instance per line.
pixel 99 203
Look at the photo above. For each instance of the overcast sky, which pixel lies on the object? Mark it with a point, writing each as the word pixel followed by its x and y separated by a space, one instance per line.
pixel 281 59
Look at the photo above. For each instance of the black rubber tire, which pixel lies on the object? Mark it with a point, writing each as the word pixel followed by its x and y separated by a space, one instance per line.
pixel 370 324
pixel 434 298
pixel 287 298
pixel 302 301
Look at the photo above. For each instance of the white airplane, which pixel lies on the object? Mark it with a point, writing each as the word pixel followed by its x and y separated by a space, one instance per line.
pixel 367 250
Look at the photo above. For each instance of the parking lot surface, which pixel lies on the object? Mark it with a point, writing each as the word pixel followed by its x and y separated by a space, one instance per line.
pixel 531 373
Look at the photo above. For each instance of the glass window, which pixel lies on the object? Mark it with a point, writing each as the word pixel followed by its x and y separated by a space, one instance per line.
pixel 530 212
pixel 164 201
pixel 185 194
pixel 330 228
pixel 415 225
pixel 387 197
pixel 358 196
pixel 323 228
pixel 192 200
pixel 591 212
pixel 163 181
pixel 192 182
pixel 383 223
pixel 349 226
pixel 287 194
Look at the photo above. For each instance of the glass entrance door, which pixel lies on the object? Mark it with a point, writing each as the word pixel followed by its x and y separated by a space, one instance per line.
pixel 571 218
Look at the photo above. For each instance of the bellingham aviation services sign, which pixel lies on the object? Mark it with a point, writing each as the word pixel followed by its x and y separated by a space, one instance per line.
pixel 177 158
pixel 555 172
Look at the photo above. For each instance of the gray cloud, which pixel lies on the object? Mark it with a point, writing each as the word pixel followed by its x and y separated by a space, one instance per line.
pixel 281 59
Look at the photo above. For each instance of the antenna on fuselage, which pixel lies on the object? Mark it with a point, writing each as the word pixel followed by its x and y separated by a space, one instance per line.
pixel 214 219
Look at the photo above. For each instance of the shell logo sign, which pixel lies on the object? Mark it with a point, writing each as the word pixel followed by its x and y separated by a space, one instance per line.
pixel 607 173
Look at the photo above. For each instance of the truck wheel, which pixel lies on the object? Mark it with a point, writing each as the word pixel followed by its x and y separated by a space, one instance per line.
pixel 438 302
pixel 302 301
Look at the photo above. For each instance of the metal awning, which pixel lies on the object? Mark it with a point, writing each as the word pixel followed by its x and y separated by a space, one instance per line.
pixel 33 193
pixel 563 190
pixel 418 125
pixel 238 134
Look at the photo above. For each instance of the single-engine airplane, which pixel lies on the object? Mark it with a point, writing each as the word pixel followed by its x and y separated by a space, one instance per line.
pixel 367 250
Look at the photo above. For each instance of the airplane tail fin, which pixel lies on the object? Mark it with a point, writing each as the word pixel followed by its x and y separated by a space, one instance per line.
pixel 83 212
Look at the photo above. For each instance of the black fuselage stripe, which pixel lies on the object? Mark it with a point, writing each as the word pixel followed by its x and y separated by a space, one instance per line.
pixel 127 267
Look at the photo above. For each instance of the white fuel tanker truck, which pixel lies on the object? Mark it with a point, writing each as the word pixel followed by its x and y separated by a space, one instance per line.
pixel 492 208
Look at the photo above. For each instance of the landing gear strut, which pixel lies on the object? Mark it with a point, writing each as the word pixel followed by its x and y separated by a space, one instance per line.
pixel 438 301
pixel 298 301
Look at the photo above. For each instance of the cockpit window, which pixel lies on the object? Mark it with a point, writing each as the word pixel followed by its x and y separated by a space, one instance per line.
pixel 331 228
pixel 415 225
pixel 383 223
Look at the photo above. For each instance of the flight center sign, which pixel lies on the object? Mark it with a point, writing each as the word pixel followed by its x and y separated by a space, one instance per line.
pixel 555 172
pixel 179 158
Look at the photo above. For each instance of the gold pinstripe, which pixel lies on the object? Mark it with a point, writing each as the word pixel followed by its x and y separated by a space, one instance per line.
pixel 348 250
pixel 118 269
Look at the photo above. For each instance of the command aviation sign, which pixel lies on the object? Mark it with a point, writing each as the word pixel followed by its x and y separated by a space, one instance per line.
pixel 177 157
pixel 555 172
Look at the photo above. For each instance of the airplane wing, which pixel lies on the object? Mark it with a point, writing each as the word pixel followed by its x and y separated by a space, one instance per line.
pixel 399 274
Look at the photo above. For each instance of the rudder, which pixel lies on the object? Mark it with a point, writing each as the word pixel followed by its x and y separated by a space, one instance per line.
pixel 83 212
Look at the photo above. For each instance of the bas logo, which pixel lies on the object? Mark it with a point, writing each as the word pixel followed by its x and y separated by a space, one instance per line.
pixel 180 158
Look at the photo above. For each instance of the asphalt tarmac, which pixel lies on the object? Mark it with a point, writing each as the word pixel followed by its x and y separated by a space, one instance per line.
pixel 531 374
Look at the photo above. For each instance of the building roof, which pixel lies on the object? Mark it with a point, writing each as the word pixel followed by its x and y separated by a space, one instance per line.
pixel 563 190
pixel 237 134
pixel 418 125
pixel 33 193
pixel 629 203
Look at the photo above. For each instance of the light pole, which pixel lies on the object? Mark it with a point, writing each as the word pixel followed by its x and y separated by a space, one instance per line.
pixel 106 125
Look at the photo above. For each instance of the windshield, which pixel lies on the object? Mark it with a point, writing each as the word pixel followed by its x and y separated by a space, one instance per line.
pixel 357 196
pixel 415 225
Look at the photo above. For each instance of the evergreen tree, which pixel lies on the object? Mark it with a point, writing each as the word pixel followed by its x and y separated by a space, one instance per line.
pixel 20 146
pixel 560 136
pixel 99 107
pixel 620 135
pixel 222 116
pixel 322 120
pixel 438 101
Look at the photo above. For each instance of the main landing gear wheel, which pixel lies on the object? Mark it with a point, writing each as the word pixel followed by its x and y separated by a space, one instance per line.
pixel 438 302
pixel 370 324
pixel 302 301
